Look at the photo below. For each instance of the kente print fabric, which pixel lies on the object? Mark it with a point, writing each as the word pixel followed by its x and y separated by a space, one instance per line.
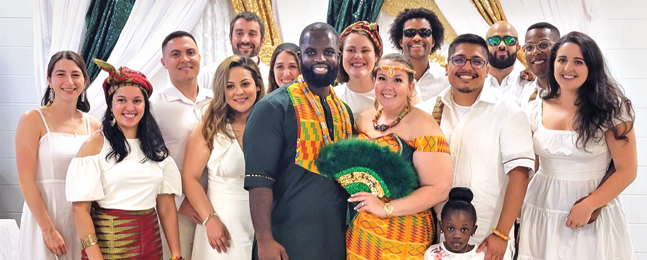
pixel 311 137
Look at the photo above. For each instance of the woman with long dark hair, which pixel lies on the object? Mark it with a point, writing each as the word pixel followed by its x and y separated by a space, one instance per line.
pixel 284 66
pixel 227 231
pixel 46 140
pixel 582 123
pixel 122 177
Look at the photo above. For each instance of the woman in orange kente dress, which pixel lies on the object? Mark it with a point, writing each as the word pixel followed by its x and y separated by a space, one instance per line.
pixel 400 228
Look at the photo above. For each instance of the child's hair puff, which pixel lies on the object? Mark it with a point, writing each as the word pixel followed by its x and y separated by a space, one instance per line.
pixel 460 198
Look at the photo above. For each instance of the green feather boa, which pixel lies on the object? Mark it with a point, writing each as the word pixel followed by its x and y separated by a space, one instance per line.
pixel 395 176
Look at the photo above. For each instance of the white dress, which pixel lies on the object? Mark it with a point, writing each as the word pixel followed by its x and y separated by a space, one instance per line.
pixel 567 173
pixel 55 151
pixel 229 199
pixel 439 252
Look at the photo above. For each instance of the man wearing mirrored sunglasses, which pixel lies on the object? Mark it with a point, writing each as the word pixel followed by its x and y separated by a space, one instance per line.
pixel 540 37
pixel 502 39
pixel 418 33
pixel 490 143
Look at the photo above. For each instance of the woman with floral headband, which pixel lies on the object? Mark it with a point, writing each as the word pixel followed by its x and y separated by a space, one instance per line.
pixel 123 177
pixel 402 228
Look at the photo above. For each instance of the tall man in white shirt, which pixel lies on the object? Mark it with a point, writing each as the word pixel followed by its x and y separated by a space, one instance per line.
pixel 491 144
pixel 418 33
pixel 177 110
pixel 540 37
pixel 246 35
pixel 503 44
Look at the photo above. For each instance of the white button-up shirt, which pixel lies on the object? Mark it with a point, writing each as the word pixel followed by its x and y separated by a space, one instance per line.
pixel 512 87
pixel 528 91
pixel 176 116
pixel 492 139
pixel 432 82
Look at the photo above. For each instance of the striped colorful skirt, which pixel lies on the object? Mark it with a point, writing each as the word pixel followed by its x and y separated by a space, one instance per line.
pixel 405 237
pixel 125 234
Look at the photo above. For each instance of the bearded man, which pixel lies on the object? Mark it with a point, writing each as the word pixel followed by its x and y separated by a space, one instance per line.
pixel 295 211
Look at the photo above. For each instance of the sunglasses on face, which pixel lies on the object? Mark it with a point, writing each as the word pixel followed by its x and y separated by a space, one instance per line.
pixel 460 61
pixel 542 45
pixel 508 40
pixel 410 33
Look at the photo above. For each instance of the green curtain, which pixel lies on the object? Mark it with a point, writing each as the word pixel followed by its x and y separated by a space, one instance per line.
pixel 104 21
pixel 342 13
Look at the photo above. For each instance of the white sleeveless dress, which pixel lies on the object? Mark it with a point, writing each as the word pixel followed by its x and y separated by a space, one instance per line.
pixel 55 151
pixel 229 199
pixel 567 173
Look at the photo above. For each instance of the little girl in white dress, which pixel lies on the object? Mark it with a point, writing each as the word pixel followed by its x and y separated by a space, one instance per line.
pixel 457 224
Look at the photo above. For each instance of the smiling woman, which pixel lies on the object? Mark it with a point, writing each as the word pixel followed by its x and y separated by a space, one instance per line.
pixel 361 46
pixel 226 231
pixel 46 140
pixel 124 174
pixel 384 224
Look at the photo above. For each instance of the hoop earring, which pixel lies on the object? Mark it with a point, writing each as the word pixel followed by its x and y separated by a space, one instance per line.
pixel 113 121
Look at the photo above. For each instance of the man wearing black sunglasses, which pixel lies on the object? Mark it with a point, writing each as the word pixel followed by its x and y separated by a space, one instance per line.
pixel 418 33
pixel 502 39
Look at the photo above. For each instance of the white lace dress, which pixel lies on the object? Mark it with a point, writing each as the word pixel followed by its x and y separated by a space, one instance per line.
pixel 55 151
pixel 229 199
pixel 567 173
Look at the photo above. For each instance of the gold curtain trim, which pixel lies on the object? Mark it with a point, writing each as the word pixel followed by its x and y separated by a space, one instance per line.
pixel 262 8
pixel 394 7
pixel 492 12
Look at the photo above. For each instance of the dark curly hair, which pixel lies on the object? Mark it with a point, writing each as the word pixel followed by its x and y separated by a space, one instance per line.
pixel 601 103
pixel 148 132
pixel 437 30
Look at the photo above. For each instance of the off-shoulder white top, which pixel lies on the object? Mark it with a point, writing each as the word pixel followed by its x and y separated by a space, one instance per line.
pixel 128 185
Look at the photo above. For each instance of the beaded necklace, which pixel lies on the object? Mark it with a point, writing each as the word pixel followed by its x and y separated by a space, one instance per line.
pixel 384 127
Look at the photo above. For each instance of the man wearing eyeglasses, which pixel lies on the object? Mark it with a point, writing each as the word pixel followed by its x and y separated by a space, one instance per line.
pixel 490 143
pixel 502 39
pixel 539 39
pixel 418 33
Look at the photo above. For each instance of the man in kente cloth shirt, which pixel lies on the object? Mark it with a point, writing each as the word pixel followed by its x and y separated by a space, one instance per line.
pixel 296 212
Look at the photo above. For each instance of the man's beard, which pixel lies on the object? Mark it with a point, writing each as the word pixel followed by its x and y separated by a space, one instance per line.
pixel 254 52
pixel 318 80
pixel 502 63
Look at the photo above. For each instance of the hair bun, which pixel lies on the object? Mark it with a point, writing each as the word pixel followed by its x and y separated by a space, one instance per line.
pixel 461 193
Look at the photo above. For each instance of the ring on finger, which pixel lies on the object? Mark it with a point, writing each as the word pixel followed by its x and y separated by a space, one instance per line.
pixel 363 204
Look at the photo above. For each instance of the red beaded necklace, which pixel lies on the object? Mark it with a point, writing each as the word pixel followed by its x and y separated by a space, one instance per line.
pixel 384 127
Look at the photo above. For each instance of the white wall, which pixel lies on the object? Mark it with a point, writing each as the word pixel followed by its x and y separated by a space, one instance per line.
pixel 626 48
pixel 18 94
pixel 626 52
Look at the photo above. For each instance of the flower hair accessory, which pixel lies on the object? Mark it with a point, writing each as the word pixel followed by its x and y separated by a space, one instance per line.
pixel 392 69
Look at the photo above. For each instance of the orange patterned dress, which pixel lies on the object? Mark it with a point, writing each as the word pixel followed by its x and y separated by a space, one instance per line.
pixel 370 237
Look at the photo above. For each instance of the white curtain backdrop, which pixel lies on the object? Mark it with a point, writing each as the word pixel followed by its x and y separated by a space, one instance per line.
pixel 294 15
pixel 139 44
pixel 58 25
pixel 211 31
pixel 566 15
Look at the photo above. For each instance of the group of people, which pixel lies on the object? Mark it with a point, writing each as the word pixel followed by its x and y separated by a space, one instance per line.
pixel 227 158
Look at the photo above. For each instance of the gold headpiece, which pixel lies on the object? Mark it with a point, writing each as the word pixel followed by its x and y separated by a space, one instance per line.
pixel 392 69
